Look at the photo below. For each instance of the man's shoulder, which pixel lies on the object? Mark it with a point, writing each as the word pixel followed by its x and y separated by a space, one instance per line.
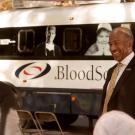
pixel 5 87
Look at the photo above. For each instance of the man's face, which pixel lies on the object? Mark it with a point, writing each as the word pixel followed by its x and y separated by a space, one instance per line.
pixel 120 46
pixel 52 34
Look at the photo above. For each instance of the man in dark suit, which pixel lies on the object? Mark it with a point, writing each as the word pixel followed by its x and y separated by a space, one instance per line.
pixel 123 95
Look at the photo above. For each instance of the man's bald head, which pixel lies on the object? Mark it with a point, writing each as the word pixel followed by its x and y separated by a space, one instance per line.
pixel 121 43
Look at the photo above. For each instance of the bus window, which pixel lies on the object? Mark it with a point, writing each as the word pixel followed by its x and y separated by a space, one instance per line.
pixel 72 39
pixel 26 40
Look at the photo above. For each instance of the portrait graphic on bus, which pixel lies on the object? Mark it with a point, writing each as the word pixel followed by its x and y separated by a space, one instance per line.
pixel 47 45
pixel 101 46
pixel 51 49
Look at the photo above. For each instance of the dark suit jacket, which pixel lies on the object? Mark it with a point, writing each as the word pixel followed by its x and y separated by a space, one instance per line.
pixel 123 97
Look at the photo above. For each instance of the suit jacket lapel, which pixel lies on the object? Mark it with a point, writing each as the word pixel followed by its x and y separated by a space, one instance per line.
pixel 106 84
pixel 124 76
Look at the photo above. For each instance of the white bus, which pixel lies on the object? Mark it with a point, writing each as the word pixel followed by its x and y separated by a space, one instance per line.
pixel 47 54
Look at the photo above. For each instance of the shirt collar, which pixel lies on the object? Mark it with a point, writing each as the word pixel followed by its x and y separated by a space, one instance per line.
pixel 128 59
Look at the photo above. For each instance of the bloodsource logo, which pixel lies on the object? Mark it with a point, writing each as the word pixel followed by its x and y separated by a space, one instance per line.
pixel 32 71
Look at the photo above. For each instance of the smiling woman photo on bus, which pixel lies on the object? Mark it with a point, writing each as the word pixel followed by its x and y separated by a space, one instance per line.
pixel 51 49
pixel 101 46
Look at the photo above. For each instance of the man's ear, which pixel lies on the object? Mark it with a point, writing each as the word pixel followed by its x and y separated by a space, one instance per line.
pixel 130 44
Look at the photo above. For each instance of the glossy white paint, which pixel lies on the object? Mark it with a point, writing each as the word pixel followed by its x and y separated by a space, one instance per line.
pixel 84 14
pixel 78 74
